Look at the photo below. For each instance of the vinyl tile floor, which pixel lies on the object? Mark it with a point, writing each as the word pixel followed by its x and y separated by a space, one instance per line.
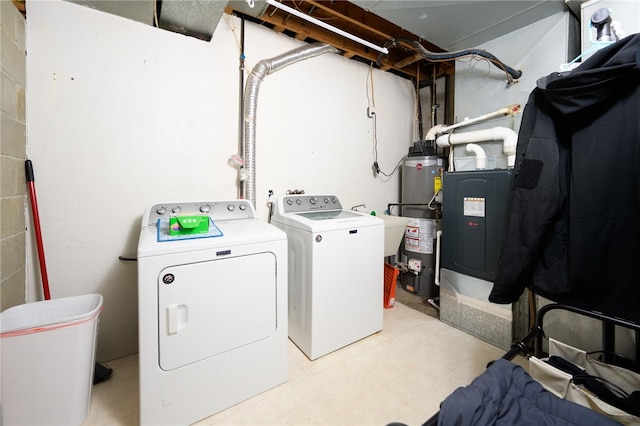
pixel 400 374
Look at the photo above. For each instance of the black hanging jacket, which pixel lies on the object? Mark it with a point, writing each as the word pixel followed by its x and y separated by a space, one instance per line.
pixel 573 230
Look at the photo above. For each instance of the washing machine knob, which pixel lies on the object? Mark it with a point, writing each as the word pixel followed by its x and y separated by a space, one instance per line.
pixel 334 200
pixel 242 207
pixel 289 201
pixel 161 210
pixel 298 201
pixel 231 207
pixel 205 209
pixel 313 200
pixel 326 200
pixel 176 209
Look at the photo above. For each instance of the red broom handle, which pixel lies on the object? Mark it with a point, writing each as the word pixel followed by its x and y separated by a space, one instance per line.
pixel 28 168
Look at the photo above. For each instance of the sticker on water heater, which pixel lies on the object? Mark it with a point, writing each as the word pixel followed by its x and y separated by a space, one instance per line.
pixel 473 206
pixel 419 235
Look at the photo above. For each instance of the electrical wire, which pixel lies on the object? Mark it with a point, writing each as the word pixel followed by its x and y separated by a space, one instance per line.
pixel 429 206
pixel 395 169
pixel 155 14
pixel 310 12
pixel 371 101
pixel 371 104
pixel 376 165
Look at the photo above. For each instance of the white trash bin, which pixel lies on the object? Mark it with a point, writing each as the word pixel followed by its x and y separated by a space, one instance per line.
pixel 47 357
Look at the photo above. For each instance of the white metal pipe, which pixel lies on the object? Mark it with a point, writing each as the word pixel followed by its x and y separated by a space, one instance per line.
pixel 437 273
pixel 508 136
pixel 481 156
pixel 438 129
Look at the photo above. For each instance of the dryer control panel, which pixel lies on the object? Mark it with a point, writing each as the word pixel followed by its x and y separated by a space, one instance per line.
pixel 216 210
pixel 307 203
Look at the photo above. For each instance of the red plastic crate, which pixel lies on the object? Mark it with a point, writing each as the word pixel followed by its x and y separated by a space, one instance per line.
pixel 390 278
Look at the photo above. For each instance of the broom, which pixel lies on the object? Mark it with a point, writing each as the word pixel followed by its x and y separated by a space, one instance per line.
pixel 101 371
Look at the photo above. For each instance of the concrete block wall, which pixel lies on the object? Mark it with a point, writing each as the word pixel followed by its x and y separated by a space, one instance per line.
pixel 13 193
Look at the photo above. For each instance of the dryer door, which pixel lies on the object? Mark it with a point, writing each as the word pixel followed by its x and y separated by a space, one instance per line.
pixel 207 308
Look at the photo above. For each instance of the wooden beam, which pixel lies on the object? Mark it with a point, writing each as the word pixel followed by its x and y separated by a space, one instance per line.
pixel 348 19
pixel 308 30
pixel 409 60
pixel 367 21
pixel 355 20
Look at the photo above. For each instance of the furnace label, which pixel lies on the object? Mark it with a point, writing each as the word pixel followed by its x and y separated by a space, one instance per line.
pixel 473 206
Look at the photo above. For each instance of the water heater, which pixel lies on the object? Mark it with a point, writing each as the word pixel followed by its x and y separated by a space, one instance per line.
pixel 420 178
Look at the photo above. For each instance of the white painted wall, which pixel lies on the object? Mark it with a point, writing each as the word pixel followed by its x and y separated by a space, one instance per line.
pixel 537 50
pixel 121 115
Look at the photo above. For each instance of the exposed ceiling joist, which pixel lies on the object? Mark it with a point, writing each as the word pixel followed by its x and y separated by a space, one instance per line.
pixel 356 21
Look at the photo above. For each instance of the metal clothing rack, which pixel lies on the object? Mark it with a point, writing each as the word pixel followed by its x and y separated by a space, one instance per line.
pixel 535 336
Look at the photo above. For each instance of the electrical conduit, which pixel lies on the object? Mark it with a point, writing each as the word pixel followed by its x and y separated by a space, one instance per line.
pixel 450 56
pixel 258 73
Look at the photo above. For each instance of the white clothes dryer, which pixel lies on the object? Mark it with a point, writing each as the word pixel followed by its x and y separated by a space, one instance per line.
pixel 212 310
pixel 336 272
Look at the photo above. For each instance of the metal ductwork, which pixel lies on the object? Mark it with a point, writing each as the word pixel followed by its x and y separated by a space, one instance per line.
pixel 252 87
pixel 253 8
pixel 197 18
pixel 136 10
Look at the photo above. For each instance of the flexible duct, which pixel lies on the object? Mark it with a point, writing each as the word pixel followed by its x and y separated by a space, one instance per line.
pixel 449 56
pixel 258 73
pixel 508 136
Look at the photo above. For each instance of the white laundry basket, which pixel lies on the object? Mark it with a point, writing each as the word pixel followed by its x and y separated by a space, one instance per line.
pixel 47 357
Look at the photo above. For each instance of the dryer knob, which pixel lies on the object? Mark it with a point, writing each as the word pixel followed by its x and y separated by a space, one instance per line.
pixel 205 209
pixel 231 207
pixel 161 210
pixel 176 209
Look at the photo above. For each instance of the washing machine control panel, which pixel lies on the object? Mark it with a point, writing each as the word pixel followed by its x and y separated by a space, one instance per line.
pixel 304 203
pixel 217 210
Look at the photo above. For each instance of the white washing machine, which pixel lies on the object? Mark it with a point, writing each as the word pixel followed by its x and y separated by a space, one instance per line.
pixel 212 311
pixel 336 272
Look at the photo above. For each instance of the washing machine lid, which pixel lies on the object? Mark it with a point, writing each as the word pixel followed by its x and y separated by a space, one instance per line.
pixel 318 213
pixel 329 214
